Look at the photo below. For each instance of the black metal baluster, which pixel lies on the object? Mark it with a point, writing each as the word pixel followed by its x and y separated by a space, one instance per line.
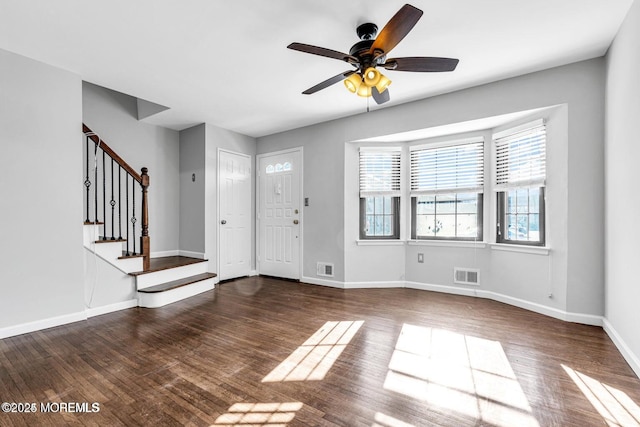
pixel 126 184
pixel 133 218
pixel 87 182
pixel 113 205
pixel 119 203
pixel 95 191
pixel 104 197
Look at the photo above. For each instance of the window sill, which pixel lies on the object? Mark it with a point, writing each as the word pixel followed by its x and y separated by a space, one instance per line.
pixel 448 243
pixel 536 250
pixel 380 242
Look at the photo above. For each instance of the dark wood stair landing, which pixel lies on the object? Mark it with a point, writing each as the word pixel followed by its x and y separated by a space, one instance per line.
pixel 165 263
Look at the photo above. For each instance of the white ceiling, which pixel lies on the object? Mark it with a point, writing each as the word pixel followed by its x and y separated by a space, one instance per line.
pixel 226 62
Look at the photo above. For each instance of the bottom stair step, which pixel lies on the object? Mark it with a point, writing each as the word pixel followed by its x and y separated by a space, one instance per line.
pixel 176 290
pixel 162 287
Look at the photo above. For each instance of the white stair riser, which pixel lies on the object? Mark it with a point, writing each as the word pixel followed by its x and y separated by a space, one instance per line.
pixel 110 251
pixel 129 265
pixel 151 279
pixel 90 235
pixel 159 299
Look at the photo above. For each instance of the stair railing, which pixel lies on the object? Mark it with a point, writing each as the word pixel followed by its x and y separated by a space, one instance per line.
pixel 108 178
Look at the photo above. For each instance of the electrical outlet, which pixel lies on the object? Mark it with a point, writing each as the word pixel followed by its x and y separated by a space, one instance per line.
pixel 420 257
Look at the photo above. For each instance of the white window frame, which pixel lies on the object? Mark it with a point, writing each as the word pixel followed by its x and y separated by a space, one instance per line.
pixel 385 188
pixel 420 185
pixel 530 175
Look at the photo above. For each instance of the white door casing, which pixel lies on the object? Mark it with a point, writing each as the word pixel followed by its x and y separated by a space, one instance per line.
pixel 234 226
pixel 279 218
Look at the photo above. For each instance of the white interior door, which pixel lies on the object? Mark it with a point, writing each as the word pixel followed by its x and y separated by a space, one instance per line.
pixel 234 186
pixel 280 214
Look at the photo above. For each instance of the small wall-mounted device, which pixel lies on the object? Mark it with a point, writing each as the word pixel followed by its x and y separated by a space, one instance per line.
pixel 306 201
pixel 421 257
pixel 193 177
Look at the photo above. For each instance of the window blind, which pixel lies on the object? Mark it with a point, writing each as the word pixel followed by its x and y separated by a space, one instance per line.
pixel 451 169
pixel 521 157
pixel 379 172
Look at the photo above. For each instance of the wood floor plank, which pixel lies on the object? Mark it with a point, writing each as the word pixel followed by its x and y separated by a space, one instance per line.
pixel 207 359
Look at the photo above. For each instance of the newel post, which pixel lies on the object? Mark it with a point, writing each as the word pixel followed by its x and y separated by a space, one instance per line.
pixel 145 247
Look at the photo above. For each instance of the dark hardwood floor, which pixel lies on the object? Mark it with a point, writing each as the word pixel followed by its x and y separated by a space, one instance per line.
pixel 261 351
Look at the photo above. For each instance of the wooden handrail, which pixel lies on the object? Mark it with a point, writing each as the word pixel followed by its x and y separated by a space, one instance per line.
pixel 103 145
pixel 141 178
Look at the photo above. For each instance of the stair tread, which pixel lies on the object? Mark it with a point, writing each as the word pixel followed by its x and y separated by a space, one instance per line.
pixel 93 223
pixel 165 263
pixel 125 256
pixel 178 283
pixel 108 240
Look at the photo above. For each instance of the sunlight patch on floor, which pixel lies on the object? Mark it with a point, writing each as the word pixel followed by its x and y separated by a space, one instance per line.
pixel 313 359
pixel 258 414
pixel 382 420
pixel 459 373
pixel 614 405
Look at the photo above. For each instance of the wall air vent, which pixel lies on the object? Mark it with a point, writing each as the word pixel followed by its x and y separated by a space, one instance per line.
pixel 466 276
pixel 325 269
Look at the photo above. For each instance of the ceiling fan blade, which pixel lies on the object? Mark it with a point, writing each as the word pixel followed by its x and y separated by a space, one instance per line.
pixel 321 51
pixel 331 81
pixel 380 98
pixel 396 29
pixel 421 64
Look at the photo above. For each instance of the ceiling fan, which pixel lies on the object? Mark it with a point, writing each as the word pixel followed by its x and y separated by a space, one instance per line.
pixel 371 52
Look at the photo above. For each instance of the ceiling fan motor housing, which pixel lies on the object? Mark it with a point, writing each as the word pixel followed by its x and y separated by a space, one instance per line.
pixel 367 31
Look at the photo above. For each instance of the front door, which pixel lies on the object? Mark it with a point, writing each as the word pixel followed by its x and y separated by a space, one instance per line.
pixel 234 186
pixel 280 214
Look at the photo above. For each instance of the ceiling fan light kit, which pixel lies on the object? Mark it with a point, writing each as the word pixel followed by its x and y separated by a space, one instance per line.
pixel 353 82
pixel 371 51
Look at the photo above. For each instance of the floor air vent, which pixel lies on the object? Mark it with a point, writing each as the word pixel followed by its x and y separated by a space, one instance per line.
pixel 466 276
pixel 325 269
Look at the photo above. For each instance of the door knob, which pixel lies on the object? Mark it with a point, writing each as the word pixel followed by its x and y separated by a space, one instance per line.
pixel 223 222
pixel 295 221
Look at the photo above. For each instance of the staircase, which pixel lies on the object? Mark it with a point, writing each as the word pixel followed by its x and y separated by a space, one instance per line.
pixel 111 187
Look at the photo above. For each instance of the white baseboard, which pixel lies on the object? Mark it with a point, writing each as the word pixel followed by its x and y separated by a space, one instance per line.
pixel 373 285
pixel 253 273
pixel 323 282
pixel 161 254
pixel 587 319
pixel 632 359
pixel 98 311
pixel 455 290
pixel 39 325
pixel 191 254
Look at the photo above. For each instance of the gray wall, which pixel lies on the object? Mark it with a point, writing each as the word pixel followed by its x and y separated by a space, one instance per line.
pixel 113 115
pixel 577 243
pixel 622 203
pixel 192 194
pixel 199 147
pixel 41 257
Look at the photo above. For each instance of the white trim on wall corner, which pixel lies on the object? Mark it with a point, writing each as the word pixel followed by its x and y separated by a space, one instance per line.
pixel 253 273
pixel 626 352
pixel 39 325
pixel 105 309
